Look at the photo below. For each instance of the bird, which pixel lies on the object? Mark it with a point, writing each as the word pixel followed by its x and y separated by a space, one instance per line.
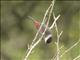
pixel 47 36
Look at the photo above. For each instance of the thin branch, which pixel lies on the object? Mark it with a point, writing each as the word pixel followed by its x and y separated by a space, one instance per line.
pixel 56 43
pixel 77 57
pixel 55 19
pixel 58 36
pixel 43 22
pixel 57 57
pixel 33 45
pixel 38 30
pixel 60 33
pixel 70 48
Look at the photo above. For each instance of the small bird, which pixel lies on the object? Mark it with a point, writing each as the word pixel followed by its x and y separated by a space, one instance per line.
pixel 47 36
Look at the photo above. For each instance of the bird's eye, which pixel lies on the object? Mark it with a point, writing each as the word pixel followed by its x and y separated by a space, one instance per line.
pixel 49 40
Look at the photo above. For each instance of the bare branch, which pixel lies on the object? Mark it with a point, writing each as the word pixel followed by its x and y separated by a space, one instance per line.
pixel 55 20
pixel 34 44
pixel 43 22
pixel 70 48
pixel 60 33
pixel 77 57
pixel 58 36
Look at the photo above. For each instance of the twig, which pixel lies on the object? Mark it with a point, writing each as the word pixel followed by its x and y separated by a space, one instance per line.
pixel 37 32
pixel 33 45
pixel 70 48
pixel 58 36
pixel 55 19
pixel 54 57
pixel 76 57
pixel 43 22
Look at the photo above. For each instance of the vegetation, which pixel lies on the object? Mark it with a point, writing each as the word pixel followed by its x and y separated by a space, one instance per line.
pixel 18 31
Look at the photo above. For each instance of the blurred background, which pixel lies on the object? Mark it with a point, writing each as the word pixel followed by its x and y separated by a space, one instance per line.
pixel 17 30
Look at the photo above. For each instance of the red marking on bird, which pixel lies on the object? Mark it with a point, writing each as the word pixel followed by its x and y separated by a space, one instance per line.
pixel 47 35
pixel 37 24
